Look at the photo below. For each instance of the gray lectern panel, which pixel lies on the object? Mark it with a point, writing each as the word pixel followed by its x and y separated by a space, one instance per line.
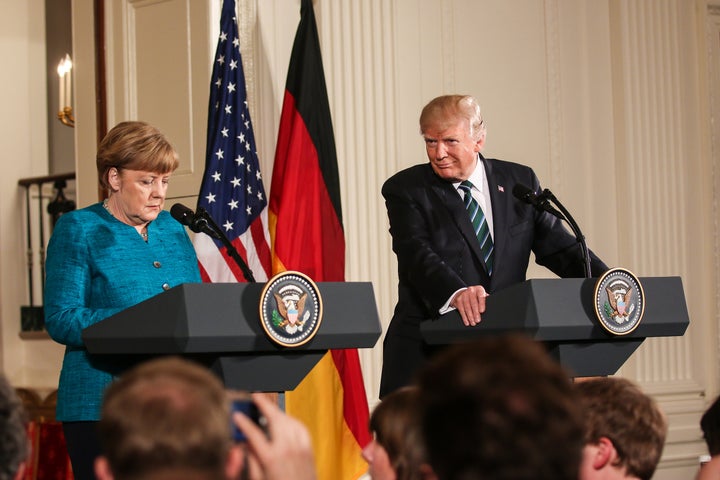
pixel 268 373
pixel 560 313
pixel 562 310
pixel 591 359
pixel 218 324
pixel 224 317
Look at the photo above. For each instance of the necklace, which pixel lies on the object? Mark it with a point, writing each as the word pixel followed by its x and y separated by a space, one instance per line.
pixel 144 235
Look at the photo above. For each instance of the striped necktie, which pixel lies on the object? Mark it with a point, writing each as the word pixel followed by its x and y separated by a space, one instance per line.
pixel 480 225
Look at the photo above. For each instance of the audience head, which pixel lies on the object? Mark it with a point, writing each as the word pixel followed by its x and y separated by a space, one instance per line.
pixel 710 425
pixel 166 418
pixel 624 429
pixel 397 451
pixel 499 408
pixel 14 444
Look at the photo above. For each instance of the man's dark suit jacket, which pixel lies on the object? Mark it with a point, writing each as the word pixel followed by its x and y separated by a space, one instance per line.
pixel 438 252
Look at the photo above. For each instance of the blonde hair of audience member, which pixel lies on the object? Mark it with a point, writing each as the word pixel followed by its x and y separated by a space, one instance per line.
pixel 499 408
pixel 710 425
pixel 167 418
pixel 396 451
pixel 14 443
pixel 624 430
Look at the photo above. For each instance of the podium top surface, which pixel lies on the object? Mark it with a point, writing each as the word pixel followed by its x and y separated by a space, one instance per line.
pixel 561 310
pixel 224 317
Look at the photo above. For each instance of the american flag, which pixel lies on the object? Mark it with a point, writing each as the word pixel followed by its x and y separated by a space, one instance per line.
pixel 232 190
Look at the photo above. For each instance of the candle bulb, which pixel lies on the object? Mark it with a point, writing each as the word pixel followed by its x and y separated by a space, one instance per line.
pixel 68 81
pixel 61 90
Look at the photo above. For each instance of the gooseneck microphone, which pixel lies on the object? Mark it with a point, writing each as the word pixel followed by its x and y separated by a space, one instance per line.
pixel 541 202
pixel 202 222
pixel 195 222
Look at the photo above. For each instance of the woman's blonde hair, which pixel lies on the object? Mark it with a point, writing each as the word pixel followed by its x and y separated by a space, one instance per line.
pixel 135 145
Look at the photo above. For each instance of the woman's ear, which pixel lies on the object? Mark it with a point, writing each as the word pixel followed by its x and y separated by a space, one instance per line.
pixel 113 178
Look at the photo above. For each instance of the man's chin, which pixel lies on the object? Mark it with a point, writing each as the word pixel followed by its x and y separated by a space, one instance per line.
pixel 446 174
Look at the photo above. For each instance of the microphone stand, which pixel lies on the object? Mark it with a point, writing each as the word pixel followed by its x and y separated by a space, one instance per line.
pixel 220 235
pixel 543 204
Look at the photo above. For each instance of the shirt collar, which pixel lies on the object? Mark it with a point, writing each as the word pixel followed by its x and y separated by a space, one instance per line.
pixel 477 177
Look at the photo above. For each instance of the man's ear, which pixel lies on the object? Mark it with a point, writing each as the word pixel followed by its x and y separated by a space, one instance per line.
pixel 605 453
pixel 480 144
pixel 20 474
pixel 427 472
pixel 102 469
pixel 234 463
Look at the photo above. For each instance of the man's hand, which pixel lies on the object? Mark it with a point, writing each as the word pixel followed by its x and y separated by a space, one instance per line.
pixel 284 452
pixel 470 303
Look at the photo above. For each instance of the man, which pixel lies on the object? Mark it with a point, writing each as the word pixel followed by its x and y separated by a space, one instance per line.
pixel 710 425
pixel 624 430
pixel 499 408
pixel 170 419
pixel 14 443
pixel 442 262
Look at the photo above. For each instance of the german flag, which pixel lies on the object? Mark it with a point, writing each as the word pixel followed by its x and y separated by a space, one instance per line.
pixel 306 231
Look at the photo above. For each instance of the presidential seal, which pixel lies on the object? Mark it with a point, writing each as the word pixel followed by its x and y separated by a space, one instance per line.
pixel 619 301
pixel 290 309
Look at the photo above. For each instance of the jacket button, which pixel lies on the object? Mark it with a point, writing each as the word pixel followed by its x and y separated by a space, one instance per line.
pixel 165 286
pixel 157 264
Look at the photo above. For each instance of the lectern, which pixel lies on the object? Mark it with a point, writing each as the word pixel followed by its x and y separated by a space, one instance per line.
pixel 218 324
pixel 560 313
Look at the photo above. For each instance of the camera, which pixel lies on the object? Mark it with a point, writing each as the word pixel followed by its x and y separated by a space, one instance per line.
pixel 248 407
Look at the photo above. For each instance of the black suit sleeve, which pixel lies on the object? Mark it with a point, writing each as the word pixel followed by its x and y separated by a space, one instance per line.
pixel 424 241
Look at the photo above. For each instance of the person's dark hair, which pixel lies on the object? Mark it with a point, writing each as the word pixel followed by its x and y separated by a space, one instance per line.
pixel 616 408
pixel 395 424
pixel 14 444
pixel 166 414
pixel 500 408
pixel 710 425
pixel 135 145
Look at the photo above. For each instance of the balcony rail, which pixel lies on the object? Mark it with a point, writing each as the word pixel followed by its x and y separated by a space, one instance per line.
pixel 49 207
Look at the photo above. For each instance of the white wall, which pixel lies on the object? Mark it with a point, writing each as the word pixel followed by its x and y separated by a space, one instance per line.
pixel 23 136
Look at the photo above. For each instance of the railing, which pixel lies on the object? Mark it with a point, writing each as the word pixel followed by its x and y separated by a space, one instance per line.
pixel 49 209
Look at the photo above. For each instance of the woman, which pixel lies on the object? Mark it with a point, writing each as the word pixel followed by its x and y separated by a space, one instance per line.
pixel 396 451
pixel 105 258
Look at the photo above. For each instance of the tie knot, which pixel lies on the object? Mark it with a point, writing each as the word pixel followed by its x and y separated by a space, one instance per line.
pixel 466 186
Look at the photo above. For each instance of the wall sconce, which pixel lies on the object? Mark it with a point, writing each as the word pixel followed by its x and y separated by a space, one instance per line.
pixel 65 112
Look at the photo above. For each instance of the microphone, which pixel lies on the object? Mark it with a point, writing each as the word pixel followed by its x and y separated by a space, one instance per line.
pixel 202 222
pixel 521 192
pixel 195 222
pixel 540 202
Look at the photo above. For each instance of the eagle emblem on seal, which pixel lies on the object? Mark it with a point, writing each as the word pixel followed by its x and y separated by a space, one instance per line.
pixel 620 301
pixel 291 309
